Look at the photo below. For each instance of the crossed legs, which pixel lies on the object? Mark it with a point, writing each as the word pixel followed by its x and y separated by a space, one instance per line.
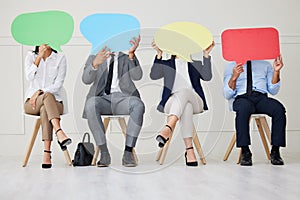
pixel 49 110
pixel 180 107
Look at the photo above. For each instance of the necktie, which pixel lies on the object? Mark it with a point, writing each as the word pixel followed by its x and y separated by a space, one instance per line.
pixel 110 75
pixel 249 78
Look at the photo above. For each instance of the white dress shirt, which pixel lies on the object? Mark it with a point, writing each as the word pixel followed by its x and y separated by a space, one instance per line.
pixel 48 76
pixel 115 80
pixel 182 78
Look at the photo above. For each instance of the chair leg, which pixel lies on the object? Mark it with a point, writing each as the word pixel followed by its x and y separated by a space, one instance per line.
pixel 164 150
pixel 67 156
pixel 198 147
pixel 230 147
pixel 239 157
pixel 263 138
pixel 267 130
pixel 97 150
pixel 123 126
pixel 162 153
pixel 158 156
pixel 32 140
pixel 96 154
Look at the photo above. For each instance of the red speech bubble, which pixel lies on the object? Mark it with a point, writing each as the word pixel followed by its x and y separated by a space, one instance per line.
pixel 245 44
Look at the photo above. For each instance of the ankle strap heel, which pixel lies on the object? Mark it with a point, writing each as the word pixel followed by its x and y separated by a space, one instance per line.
pixel 47 166
pixel 161 140
pixel 169 128
pixel 189 148
pixel 63 144
pixel 190 164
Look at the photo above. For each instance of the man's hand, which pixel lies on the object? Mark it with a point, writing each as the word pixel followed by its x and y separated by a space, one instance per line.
pixel 278 64
pixel 135 43
pixel 101 57
pixel 237 70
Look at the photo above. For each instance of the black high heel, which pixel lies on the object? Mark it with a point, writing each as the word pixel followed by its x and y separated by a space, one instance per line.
pixel 64 143
pixel 47 166
pixel 161 140
pixel 191 164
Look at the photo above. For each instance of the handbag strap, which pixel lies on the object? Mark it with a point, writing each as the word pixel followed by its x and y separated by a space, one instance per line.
pixel 86 134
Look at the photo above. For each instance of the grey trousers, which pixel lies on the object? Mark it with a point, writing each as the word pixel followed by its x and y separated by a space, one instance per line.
pixel 115 104
pixel 183 104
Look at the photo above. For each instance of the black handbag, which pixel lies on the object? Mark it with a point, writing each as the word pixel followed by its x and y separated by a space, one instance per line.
pixel 84 152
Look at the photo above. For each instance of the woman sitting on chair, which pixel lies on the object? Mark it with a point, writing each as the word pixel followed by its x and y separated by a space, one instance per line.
pixel 182 95
pixel 45 68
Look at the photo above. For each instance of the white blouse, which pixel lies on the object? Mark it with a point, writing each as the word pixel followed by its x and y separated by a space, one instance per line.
pixel 49 76
pixel 182 78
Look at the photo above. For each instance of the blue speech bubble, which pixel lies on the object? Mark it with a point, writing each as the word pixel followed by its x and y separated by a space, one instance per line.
pixel 111 30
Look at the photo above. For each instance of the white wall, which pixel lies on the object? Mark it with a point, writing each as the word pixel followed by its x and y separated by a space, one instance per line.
pixel 215 126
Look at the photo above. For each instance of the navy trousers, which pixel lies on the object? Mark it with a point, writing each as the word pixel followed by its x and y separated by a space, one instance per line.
pixel 259 103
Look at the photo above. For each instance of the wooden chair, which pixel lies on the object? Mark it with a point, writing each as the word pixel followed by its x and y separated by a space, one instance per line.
pixel 161 155
pixel 36 130
pixel 263 129
pixel 122 123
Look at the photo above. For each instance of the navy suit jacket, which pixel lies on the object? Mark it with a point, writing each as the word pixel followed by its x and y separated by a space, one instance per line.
pixel 166 69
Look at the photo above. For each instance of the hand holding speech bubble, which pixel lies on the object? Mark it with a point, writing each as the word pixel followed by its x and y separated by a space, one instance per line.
pixel 54 28
pixel 111 30
pixel 245 44
pixel 183 39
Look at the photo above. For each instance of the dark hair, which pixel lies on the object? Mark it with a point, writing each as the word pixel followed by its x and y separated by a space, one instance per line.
pixel 36 50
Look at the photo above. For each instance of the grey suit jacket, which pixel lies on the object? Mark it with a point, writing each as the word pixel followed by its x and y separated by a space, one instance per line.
pixel 128 71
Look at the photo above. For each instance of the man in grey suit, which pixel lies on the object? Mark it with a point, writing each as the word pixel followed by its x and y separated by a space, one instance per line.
pixel 113 92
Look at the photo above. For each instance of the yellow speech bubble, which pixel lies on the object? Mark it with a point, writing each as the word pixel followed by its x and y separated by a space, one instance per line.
pixel 183 39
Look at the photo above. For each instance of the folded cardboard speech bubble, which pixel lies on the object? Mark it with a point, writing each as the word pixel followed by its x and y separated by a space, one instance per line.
pixel 111 30
pixel 183 39
pixel 54 28
pixel 245 44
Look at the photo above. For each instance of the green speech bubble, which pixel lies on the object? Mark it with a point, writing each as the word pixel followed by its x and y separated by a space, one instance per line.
pixel 54 28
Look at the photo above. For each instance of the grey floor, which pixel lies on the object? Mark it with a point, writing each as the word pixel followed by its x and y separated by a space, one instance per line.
pixel 173 180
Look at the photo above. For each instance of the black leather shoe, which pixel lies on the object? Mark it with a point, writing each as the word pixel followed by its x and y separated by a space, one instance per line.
pixel 246 159
pixel 128 159
pixel 275 158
